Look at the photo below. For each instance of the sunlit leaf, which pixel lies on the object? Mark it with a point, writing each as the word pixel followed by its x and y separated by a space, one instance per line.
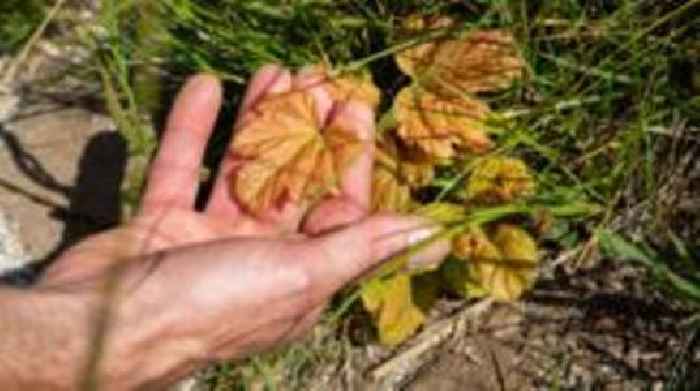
pixel 439 126
pixel 477 61
pixel 388 195
pixel 507 278
pixel 499 179
pixel 502 266
pixel 356 86
pixel 389 192
pixel 390 302
pixel 286 154
pixel 475 245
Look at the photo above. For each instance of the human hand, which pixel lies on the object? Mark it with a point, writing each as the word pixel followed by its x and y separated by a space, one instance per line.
pixel 193 286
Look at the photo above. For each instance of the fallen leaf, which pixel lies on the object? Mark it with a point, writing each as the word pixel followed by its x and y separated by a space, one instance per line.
pixel 499 179
pixel 438 126
pixel 479 61
pixel 390 302
pixel 286 155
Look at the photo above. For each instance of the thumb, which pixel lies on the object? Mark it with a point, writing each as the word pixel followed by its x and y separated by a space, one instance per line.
pixel 343 256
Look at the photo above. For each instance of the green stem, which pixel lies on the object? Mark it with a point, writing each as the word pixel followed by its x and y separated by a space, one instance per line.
pixel 478 216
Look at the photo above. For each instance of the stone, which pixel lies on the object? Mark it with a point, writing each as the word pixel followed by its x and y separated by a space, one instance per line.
pixel 12 253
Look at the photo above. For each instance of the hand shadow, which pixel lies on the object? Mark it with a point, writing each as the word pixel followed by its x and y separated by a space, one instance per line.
pixel 94 200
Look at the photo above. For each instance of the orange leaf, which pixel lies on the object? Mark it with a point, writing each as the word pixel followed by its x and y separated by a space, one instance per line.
pixel 438 125
pixel 357 86
pixel 481 61
pixel 389 193
pixel 286 155
pixel 416 174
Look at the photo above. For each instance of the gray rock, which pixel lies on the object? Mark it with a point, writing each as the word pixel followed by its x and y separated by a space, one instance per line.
pixel 9 103
pixel 12 252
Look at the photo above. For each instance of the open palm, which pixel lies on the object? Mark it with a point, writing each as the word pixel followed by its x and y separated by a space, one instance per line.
pixel 168 218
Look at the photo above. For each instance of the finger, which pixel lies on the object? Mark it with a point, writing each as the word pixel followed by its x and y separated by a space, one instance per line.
pixel 345 255
pixel 269 79
pixel 353 203
pixel 174 176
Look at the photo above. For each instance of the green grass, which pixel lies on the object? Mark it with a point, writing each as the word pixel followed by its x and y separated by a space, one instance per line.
pixel 18 19
pixel 607 84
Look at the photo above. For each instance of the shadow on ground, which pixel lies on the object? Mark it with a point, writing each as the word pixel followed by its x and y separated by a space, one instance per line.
pixel 92 200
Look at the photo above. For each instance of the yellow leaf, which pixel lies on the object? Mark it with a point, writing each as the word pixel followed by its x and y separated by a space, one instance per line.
pixel 286 154
pixel 503 266
pixel 475 245
pixel 508 277
pixel 455 275
pixel 468 248
pixel 390 302
pixel 480 61
pixel 438 126
pixel 499 179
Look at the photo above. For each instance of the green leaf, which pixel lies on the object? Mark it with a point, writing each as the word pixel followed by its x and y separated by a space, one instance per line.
pixel 616 246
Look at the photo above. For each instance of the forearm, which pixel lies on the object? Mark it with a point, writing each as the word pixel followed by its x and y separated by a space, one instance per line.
pixel 44 339
pixel 55 339
pixel 104 333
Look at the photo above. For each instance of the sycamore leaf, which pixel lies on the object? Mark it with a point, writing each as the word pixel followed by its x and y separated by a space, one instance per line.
pixel 285 154
pixel 499 179
pixel 390 302
pixel 437 125
pixel 480 61
pixel 507 278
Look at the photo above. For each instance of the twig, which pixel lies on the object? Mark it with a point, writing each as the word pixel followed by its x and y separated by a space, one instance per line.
pixel 24 53
pixel 431 337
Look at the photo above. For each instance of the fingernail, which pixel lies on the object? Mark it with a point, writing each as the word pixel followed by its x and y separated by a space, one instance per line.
pixel 419 235
pixel 431 256
pixel 202 86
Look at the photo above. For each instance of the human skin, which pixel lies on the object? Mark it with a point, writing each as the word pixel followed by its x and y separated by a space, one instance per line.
pixel 145 304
